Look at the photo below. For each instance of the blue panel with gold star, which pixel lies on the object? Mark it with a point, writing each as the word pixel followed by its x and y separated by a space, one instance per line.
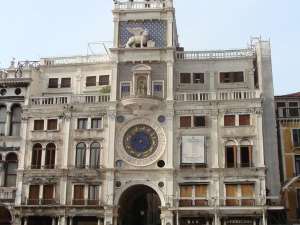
pixel 156 28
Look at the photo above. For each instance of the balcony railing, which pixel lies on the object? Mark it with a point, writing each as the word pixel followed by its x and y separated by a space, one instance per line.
pixel 221 54
pixel 219 95
pixel 75 99
pixel 247 201
pixel 193 202
pixel 288 112
pixel 40 202
pixel 89 59
pixel 7 194
pixel 86 202
pixel 136 5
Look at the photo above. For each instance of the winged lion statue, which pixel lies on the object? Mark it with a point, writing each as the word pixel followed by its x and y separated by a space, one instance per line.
pixel 140 37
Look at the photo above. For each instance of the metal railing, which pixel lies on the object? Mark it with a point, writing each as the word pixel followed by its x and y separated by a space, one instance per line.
pixel 86 202
pixel 217 54
pixel 41 201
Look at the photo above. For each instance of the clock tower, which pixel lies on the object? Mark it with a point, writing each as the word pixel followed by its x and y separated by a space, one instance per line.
pixel 141 138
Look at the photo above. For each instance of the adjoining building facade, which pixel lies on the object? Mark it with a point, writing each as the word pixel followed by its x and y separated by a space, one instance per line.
pixel 288 126
pixel 149 134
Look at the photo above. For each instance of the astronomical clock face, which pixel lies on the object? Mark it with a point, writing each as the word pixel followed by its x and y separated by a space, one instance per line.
pixel 140 141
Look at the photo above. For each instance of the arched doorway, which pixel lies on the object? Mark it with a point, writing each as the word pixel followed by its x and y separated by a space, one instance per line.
pixel 5 217
pixel 140 205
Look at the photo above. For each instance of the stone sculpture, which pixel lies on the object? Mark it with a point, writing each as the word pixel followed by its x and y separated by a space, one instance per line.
pixel 139 39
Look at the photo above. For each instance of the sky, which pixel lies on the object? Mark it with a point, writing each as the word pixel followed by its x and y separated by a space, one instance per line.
pixel 31 29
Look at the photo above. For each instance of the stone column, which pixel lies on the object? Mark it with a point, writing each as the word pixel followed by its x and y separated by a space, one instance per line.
pixel 214 142
pixel 166 217
pixel 65 147
pixel 43 157
pixel 114 82
pixel 8 123
pixel 17 221
pixel 62 220
pixel 170 32
pixel 170 135
pixel 63 191
pixel 25 221
pixel 170 81
pixel 2 172
pixel 53 220
pixel 259 149
pixel 108 216
pixel 70 220
pixel 116 30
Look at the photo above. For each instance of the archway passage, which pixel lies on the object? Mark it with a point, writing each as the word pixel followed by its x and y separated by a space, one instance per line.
pixel 5 217
pixel 139 205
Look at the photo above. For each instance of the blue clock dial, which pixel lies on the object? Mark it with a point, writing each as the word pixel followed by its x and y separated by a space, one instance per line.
pixel 140 141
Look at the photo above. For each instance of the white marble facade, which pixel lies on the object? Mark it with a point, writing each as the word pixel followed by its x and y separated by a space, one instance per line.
pixel 101 134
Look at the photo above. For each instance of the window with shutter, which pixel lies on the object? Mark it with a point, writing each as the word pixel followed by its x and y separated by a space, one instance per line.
pixel 2 120
pixel 53 83
pixel 82 123
pixel 198 78
pixel 232 195
pixel 296 137
pixel 231 157
pixel 34 191
pixel 96 123
pixel 11 170
pixel 186 194
pixel 199 121
pixel 91 81
pixel 65 83
pixel 201 195
pixel 247 191
pixel 50 156
pixel 38 125
pixel 104 80
pixel 185 121
pixel 93 195
pixel 244 120
pixel 185 78
pixel 78 195
pixel 52 124
pixel 229 120
pixel 36 158
pixel 48 194
pixel 246 156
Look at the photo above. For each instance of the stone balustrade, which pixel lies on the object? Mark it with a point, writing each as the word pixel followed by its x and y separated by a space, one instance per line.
pixel 89 59
pixel 137 5
pixel 7 194
pixel 214 55
pixel 74 99
pixel 219 95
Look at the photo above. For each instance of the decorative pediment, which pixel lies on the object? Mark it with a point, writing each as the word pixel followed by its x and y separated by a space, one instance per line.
pixel 141 68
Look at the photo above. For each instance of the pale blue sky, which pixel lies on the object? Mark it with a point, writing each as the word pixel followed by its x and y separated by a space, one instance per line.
pixel 31 29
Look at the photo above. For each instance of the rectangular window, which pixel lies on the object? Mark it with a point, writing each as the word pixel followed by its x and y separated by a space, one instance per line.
pixel 52 124
pixel 246 156
pixel 48 194
pixel 53 83
pixel 231 77
pixel 82 123
pixel 244 120
pixel 185 78
pixel 93 195
pixel 297 165
pixel 193 195
pixel 294 111
pixel 158 89
pixel 198 78
pixel 185 121
pixel 247 191
pixel 65 82
pixel 280 104
pixel 296 137
pixel 230 154
pixel 78 195
pixel 96 123
pixel 38 125
pixel 125 89
pixel 33 198
pixel 232 195
pixel 104 80
pixel 229 120
pixel 186 194
pixel 199 121
pixel 91 81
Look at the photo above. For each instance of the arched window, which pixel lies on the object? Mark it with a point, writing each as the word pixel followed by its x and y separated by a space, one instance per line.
pixel 36 158
pixel 50 156
pixel 2 120
pixel 11 170
pixel 94 155
pixel 15 121
pixel 5 217
pixel 80 155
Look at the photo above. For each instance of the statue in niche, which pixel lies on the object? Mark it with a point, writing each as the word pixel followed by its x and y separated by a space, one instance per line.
pixel 141 87
pixel 140 38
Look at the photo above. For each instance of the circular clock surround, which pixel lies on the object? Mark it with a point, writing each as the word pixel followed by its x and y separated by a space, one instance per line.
pixel 141 142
